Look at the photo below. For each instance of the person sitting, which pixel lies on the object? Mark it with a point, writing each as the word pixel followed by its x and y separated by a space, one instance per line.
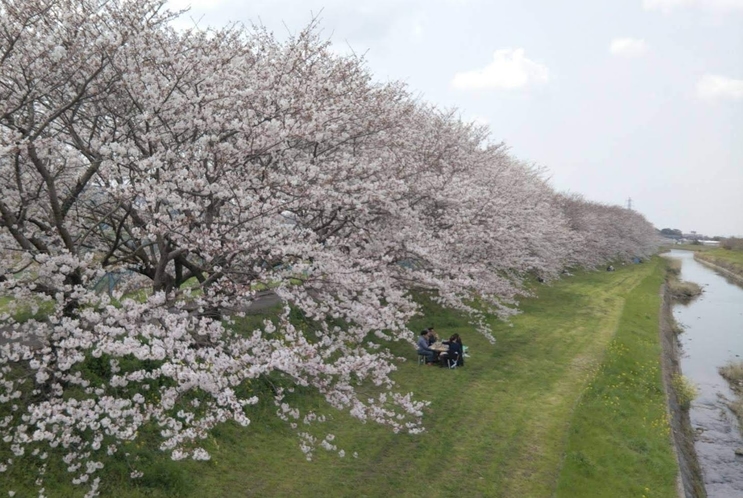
pixel 432 337
pixel 424 348
pixel 455 353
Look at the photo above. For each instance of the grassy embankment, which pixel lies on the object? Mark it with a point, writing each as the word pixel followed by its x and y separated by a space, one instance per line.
pixel 730 260
pixel 576 375
pixel 690 247
pixel 618 442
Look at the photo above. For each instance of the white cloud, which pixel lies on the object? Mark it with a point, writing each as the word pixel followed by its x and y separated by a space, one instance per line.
pixel 713 87
pixel 669 5
pixel 509 69
pixel 627 47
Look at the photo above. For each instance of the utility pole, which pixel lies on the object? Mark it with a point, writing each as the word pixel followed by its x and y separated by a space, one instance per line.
pixel 629 203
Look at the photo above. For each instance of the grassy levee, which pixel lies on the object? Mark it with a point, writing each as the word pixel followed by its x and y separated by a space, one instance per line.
pixel 496 428
pixel 619 439
pixel 730 260
pixel 691 247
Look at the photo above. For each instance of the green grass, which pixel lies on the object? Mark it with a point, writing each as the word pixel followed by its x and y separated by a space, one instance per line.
pixel 619 440
pixel 729 259
pixel 690 247
pixel 729 255
pixel 24 312
pixel 500 426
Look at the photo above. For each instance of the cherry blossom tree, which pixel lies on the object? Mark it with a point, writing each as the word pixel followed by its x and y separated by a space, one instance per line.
pixel 208 164
pixel 606 233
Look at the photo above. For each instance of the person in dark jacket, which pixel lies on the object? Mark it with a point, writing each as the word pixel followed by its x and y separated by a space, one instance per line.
pixel 432 337
pixel 455 352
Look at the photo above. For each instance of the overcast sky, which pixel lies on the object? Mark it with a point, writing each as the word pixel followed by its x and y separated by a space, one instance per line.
pixel 617 99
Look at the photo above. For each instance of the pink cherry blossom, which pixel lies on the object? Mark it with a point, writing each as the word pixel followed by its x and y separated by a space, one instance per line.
pixel 202 165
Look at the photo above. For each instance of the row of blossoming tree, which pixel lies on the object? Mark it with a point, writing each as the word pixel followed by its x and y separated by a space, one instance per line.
pixel 209 164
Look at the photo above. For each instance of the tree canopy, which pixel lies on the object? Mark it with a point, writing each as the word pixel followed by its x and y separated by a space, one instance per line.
pixel 207 165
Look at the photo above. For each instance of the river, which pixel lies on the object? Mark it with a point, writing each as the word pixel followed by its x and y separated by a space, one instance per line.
pixel 712 336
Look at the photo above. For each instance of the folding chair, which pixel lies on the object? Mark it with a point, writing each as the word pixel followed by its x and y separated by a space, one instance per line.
pixel 452 361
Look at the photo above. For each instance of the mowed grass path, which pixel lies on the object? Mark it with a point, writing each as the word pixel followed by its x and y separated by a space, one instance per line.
pixel 499 427
pixel 619 438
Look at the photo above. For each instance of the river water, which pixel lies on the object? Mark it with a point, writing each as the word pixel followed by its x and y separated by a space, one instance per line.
pixel 712 336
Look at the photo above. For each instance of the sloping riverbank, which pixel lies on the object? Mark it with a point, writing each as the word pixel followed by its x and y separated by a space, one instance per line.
pixel 727 267
pixel 620 438
pixel 729 262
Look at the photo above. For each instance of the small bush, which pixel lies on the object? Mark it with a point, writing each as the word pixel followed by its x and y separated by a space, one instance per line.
pixel 683 290
pixel 680 290
pixel 733 373
pixel 677 328
pixel 737 408
pixel 673 266
pixel 685 390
